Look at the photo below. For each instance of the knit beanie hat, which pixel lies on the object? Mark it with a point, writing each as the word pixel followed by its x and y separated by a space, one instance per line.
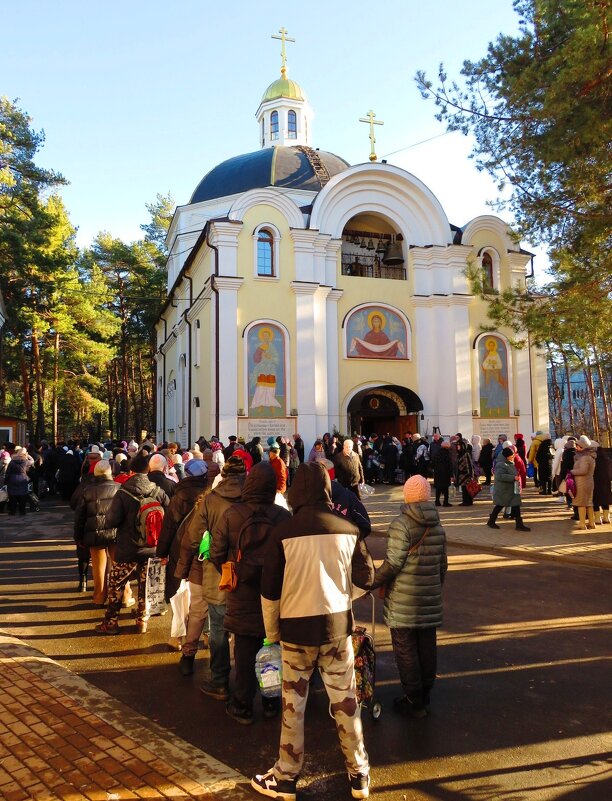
pixel 416 489
pixel 233 466
pixel 507 452
pixel 584 441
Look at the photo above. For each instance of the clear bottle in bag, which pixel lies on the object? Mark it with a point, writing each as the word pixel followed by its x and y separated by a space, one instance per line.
pixel 268 669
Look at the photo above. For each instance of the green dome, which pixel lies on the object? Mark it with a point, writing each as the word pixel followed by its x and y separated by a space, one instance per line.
pixel 283 87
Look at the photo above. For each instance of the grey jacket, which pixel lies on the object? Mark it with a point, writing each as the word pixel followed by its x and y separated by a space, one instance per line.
pixel 414 581
pixel 505 478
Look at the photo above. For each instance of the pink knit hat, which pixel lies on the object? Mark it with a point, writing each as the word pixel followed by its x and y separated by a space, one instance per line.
pixel 416 489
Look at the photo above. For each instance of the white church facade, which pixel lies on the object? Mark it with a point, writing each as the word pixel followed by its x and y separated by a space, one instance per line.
pixel 307 295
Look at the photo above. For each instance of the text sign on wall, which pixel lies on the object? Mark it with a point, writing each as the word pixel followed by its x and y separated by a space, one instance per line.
pixel 264 428
pixel 492 428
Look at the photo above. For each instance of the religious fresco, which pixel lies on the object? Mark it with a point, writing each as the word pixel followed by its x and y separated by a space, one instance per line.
pixel 493 363
pixel 266 371
pixel 376 333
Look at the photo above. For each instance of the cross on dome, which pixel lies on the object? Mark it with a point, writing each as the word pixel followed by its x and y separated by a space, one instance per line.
pixel 284 38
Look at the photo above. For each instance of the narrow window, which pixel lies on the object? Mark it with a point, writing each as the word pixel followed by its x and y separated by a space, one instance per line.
pixel 487 271
pixel 263 132
pixel 274 125
pixel 265 246
pixel 292 125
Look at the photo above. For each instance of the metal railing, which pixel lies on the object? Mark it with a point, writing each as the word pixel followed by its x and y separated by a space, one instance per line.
pixel 371 267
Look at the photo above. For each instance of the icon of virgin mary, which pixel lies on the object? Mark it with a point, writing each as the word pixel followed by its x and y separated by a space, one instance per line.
pixel 376 344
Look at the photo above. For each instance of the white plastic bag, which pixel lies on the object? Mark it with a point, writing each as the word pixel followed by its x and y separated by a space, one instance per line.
pixel 180 609
pixel 3 494
pixel 365 490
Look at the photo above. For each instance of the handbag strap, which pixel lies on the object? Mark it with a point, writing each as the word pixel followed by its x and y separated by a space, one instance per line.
pixel 419 543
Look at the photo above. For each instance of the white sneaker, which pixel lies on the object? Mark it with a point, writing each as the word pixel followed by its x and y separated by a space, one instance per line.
pixel 281 789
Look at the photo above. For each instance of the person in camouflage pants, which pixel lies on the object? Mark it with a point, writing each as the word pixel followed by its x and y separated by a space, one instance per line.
pixel 312 563
pixel 336 665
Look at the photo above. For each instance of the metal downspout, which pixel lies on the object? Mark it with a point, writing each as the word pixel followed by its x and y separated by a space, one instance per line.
pixel 217 328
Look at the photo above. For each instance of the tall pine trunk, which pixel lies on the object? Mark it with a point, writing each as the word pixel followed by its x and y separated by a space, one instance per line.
pixel 38 383
pixel 604 396
pixel 570 404
pixel 27 395
pixel 54 402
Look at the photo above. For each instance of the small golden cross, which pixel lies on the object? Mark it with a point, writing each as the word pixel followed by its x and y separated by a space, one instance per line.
pixel 284 38
pixel 370 118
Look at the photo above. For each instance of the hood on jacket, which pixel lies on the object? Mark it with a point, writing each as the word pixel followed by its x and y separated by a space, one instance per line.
pixel 260 484
pixel 139 484
pixel 311 485
pixel 476 439
pixel 231 486
pixel 423 513
pixel 570 445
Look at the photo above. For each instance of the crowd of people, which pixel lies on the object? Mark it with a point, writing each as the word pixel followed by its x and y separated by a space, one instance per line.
pixel 271 543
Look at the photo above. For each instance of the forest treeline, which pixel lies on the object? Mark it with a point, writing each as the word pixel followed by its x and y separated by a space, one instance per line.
pixel 76 353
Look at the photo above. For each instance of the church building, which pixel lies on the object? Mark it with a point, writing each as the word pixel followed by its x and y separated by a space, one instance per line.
pixel 307 295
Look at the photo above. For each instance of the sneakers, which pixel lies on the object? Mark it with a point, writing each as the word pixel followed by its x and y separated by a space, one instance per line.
pixel 282 789
pixel 216 691
pixel 186 664
pixel 360 785
pixel 107 628
pixel 239 713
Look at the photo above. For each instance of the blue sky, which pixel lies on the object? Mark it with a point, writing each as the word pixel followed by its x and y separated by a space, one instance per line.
pixel 137 97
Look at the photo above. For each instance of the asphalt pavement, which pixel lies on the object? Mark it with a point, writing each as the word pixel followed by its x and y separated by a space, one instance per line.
pixel 521 706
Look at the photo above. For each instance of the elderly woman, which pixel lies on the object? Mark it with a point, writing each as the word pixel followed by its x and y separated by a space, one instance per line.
pixel 413 571
pixel 507 490
pixel 91 531
pixel 583 470
pixel 464 471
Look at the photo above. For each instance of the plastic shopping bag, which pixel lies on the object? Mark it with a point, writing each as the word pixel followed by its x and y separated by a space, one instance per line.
pixel 180 609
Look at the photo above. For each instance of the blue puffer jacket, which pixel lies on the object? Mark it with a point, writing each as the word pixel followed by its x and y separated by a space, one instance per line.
pixel 17 475
pixel 414 581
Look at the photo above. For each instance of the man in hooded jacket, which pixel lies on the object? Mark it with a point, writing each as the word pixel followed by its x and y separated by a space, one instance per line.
pixel 311 565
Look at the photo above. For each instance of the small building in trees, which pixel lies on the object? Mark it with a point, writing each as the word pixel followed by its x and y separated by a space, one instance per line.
pixel 306 294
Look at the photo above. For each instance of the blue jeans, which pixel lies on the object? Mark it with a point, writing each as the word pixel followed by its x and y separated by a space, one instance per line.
pixel 218 642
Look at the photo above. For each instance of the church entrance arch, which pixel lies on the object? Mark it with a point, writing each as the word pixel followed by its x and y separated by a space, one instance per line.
pixel 387 409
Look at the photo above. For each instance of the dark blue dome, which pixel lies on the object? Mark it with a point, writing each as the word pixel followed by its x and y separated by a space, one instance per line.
pixel 296 167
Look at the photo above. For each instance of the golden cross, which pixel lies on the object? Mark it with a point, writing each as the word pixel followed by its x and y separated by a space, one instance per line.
pixel 284 38
pixel 370 118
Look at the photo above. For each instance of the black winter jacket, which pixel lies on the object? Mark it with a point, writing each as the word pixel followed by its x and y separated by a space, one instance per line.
pixel 163 482
pixel 442 469
pixel 243 613
pixel 123 514
pixel 91 507
pixel 187 492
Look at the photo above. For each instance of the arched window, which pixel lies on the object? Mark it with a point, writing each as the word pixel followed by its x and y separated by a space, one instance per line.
pixel 265 253
pixel 274 125
pixel 292 125
pixel 487 270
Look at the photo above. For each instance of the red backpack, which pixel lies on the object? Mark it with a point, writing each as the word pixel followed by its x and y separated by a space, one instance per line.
pixel 149 519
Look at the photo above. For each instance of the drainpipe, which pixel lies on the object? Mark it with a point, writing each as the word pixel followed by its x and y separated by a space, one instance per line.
pixel 217 304
pixel 185 313
pixel 164 376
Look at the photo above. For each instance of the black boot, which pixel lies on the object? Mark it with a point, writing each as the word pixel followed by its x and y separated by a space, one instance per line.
pixel 520 526
pixel 491 521
pixel 83 568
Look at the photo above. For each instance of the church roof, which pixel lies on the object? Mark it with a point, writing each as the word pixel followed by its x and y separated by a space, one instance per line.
pixel 283 87
pixel 287 167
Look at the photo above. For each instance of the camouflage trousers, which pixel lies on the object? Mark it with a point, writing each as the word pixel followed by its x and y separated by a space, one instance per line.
pixel 335 661
pixel 118 578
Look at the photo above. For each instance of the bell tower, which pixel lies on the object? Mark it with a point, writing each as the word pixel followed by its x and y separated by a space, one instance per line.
pixel 284 116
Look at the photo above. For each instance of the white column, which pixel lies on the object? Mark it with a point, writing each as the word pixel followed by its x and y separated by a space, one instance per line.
pixel 334 247
pixel 224 236
pixel 228 354
pixel 444 363
pixel 304 250
pixel 333 387
pixel 305 367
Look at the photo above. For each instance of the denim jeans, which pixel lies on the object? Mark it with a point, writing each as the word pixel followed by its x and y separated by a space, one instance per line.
pixel 218 643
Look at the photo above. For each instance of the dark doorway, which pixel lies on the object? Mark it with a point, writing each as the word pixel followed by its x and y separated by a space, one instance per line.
pixel 384 410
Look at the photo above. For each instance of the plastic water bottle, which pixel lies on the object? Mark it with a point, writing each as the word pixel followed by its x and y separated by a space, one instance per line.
pixel 268 669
